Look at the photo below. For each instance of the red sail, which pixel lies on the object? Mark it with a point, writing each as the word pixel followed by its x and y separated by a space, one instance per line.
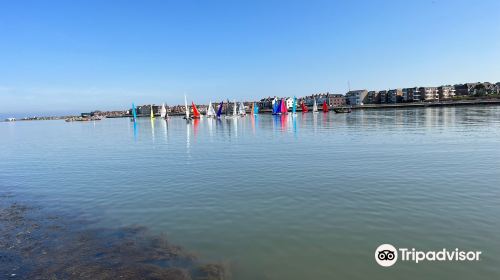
pixel 284 110
pixel 325 107
pixel 196 113
pixel 304 107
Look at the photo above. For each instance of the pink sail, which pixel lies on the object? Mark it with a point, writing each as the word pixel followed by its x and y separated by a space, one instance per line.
pixel 284 110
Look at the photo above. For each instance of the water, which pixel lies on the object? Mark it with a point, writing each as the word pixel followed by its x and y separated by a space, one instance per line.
pixel 309 197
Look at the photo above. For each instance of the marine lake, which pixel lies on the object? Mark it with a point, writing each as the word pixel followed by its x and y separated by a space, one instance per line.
pixel 305 197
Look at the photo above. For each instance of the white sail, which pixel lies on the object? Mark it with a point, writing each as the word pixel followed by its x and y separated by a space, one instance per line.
pixel 210 110
pixel 315 106
pixel 242 110
pixel 163 111
pixel 234 109
pixel 186 107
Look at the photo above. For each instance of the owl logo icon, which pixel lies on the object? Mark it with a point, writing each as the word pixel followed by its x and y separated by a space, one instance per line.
pixel 386 255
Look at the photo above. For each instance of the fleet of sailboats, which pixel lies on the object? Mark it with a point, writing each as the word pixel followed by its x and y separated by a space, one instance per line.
pixel 280 106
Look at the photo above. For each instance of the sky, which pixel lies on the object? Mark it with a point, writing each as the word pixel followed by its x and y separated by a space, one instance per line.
pixel 77 56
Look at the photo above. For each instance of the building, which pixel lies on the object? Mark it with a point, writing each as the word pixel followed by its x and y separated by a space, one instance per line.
pixel 373 97
pixel 429 93
pixel 266 103
pixel 357 97
pixel 465 89
pixel 383 96
pixel 336 100
pixel 320 98
pixel 446 92
pixel 411 94
pixel 394 96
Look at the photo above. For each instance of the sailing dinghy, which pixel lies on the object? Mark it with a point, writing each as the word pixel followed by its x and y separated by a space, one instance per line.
pixel 219 112
pixel 242 111
pixel 196 113
pixel 210 111
pixel 186 108
pixel 163 111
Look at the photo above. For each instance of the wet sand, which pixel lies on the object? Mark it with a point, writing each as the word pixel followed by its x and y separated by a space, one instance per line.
pixel 35 244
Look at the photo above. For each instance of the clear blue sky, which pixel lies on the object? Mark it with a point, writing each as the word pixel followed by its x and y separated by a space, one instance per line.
pixel 85 55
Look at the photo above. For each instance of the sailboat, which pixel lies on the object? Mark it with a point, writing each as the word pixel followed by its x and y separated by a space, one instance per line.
pixel 325 106
pixel 152 115
pixel 210 110
pixel 134 113
pixel 235 113
pixel 277 107
pixel 315 106
pixel 219 112
pixel 251 109
pixel 255 109
pixel 304 107
pixel 294 106
pixel 242 111
pixel 196 113
pixel 284 109
pixel 163 111
pixel 186 108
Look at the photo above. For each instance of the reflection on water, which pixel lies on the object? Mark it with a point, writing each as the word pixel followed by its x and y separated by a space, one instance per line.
pixel 281 197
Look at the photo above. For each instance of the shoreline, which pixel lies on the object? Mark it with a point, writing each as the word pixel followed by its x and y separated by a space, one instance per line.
pixel 36 243
pixel 474 102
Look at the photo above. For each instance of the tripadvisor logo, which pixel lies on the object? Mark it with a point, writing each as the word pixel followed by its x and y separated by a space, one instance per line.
pixel 387 255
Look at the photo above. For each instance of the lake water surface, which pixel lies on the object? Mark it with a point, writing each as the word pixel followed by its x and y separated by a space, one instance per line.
pixel 305 197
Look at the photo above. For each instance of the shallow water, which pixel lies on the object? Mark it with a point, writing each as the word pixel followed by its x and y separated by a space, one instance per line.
pixel 309 197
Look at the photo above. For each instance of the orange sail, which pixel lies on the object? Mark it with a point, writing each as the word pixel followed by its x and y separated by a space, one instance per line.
pixel 325 107
pixel 196 113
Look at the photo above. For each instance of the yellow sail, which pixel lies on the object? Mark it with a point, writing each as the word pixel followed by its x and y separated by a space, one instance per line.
pixel 152 115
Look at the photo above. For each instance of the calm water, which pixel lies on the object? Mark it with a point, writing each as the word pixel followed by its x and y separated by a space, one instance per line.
pixel 309 197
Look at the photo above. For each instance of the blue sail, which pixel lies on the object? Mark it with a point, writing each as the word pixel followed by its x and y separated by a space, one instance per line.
pixel 294 108
pixel 255 109
pixel 219 112
pixel 134 114
pixel 277 107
